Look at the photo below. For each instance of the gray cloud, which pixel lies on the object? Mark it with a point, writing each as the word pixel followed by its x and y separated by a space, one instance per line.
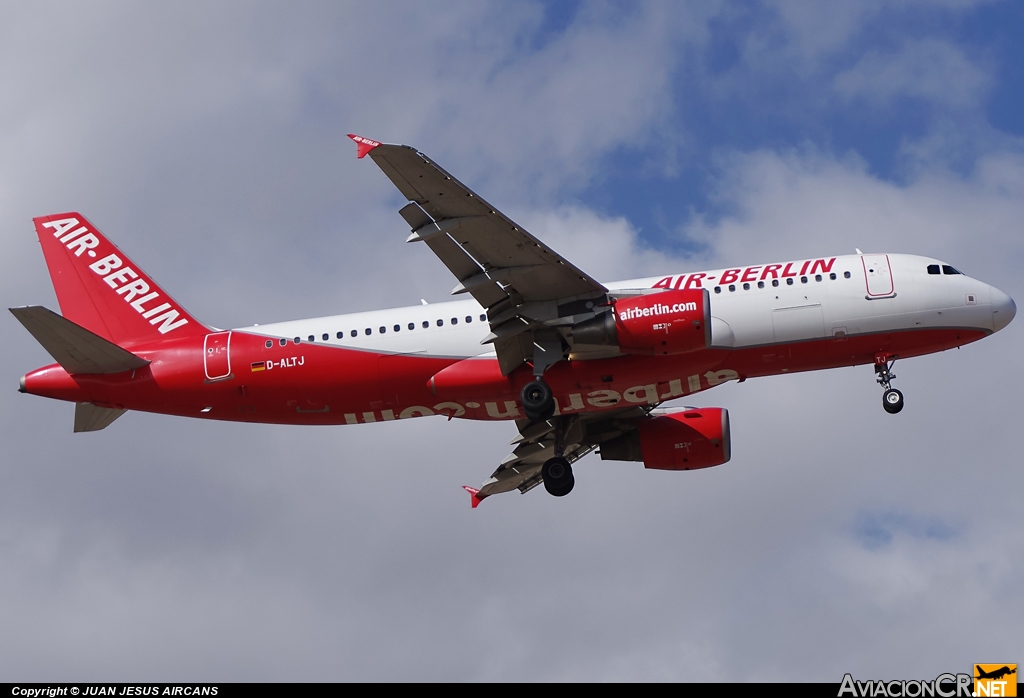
pixel 208 142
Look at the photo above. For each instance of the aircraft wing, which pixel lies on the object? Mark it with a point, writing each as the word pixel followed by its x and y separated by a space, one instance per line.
pixel 521 281
pixel 580 434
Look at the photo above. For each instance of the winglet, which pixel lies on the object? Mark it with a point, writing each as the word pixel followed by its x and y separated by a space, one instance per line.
pixel 363 145
pixel 474 493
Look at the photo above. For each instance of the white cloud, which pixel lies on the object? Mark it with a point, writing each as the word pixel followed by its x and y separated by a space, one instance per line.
pixel 791 205
pixel 931 69
pixel 212 150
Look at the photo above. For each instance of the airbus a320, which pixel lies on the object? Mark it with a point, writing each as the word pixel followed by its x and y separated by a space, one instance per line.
pixel 576 363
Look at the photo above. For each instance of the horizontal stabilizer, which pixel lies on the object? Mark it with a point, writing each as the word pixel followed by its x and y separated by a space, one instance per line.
pixel 75 348
pixel 90 417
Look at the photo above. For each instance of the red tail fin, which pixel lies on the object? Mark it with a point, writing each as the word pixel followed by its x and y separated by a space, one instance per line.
pixel 102 290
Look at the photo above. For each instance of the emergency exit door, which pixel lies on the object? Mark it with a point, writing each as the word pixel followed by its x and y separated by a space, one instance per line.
pixel 878 275
pixel 217 355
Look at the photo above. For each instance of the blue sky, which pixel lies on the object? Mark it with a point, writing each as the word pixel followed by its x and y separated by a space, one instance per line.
pixel 208 141
pixel 790 103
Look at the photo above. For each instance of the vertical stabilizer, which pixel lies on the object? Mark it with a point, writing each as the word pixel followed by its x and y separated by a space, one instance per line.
pixel 101 289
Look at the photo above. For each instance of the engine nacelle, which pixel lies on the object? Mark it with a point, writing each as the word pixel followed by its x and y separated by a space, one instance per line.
pixel 686 440
pixel 670 322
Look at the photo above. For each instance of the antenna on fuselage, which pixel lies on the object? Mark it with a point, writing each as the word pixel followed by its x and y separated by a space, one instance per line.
pixel 423 301
pixel 858 250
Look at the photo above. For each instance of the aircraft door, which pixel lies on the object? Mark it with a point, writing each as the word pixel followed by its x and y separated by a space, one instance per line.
pixel 878 275
pixel 217 356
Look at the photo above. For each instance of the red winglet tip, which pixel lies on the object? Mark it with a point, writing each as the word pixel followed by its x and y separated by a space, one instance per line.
pixel 474 494
pixel 363 145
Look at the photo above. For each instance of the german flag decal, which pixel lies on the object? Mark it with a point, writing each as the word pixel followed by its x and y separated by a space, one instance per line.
pixel 258 366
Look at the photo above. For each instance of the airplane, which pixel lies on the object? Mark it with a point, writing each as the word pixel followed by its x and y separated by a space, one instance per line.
pixel 579 365
pixel 996 674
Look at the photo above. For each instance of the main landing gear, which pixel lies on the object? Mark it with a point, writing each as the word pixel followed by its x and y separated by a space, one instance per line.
pixel 539 406
pixel 892 399
pixel 536 398
pixel 557 474
pixel 557 471
pixel 538 402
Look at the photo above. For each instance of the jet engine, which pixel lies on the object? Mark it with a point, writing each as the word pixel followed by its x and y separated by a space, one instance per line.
pixel 670 322
pixel 683 440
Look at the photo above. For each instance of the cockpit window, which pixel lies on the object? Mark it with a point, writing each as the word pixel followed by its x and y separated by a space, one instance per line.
pixel 946 269
pixel 933 268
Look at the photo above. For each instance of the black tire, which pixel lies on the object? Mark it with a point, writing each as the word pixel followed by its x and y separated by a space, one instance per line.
pixel 538 403
pixel 563 489
pixel 558 477
pixel 892 401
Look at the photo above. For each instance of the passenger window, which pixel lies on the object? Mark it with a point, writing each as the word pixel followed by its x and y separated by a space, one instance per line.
pixel 382 330
pixel 396 328
pixel 746 287
pixel 412 325
pixel 426 324
pixel 789 282
pixel 933 268
pixel 483 318
pixel 340 335
pixel 946 269
pixel 283 341
pixel 298 340
pixel 760 284
pixel 326 336
pixel 775 282
pixel 455 321
pixel 718 289
pixel 312 338
pixel 355 333
pixel 817 277
pixel 270 343
pixel 368 331
pixel 832 276
pixel 846 275
pixel 469 318
pixel 803 279
pixel 440 322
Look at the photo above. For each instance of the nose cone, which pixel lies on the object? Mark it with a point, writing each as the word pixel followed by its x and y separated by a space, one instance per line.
pixel 1003 309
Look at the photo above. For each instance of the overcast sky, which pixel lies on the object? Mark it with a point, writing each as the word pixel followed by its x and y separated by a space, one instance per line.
pixel 208 141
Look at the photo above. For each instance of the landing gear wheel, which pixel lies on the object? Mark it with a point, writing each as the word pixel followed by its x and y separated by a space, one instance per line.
pixel 538 403
pixel 892 401
pixel 558 478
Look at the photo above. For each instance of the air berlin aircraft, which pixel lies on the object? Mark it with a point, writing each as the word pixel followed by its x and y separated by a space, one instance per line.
pixel 578 364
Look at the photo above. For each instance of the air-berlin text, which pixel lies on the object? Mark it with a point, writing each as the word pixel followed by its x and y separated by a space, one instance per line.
pixel 604 398
pixel 125 281
pixel 760 272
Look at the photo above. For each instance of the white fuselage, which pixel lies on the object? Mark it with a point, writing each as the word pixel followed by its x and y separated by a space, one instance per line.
pixel 853 295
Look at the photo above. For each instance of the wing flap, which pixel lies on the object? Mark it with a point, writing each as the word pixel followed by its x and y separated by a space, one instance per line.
pixel 75 348
pixel 580 434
